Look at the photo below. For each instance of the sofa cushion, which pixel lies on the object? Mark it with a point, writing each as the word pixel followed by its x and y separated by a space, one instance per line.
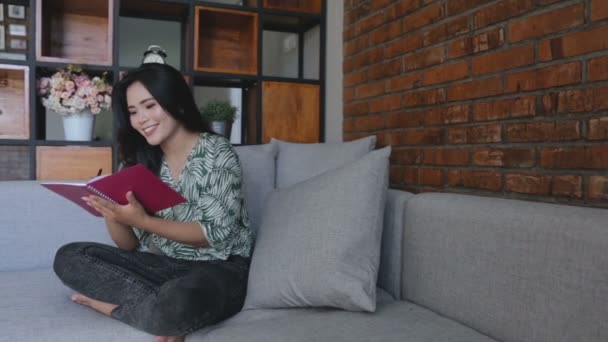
pixel 35 306
pixel 297 162
pixel 319 242
pixel 514 270
pixel 259 169
pixel 393 321
pixel 45 222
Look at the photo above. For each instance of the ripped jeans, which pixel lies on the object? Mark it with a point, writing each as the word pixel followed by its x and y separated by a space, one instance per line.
pixel 157 294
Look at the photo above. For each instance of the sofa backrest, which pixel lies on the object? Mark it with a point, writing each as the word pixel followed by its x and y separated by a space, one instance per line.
pixel 35 222
pixel 514 270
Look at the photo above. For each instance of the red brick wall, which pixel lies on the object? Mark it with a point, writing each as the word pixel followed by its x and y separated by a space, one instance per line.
pixel 506 98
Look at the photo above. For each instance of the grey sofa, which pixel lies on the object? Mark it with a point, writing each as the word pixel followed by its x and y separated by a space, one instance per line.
pixel 453 268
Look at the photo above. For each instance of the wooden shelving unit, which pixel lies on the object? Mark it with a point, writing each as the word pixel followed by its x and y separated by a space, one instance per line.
pixel 220 46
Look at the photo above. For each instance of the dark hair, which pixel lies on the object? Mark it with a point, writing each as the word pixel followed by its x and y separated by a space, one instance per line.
pixel 170 90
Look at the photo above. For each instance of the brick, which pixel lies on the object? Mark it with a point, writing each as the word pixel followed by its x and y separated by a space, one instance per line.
pixel 424 97
pixel 364 123
pixel 475 89
pixel 574 44
pixel 384 33
pixel 385 104
pixel 581 157
pixel 368 58
pixel 425 17
pixel 482 42
pixel 395 173
pixel 459 6
pixel 424 59
pixel 599 9
pixel 446 73
pixel 406 156
pixel 598 187
pixel 598 129
pixel 504 157
pixel 356 14
pixel 486 180
pixel 405 120
pixel 369 23
pixel 598 69
pixel 475 134
pixel 547 104
pixel 404 82
pixel 355 136
pixel 447 115
pixel 445 31
pixel 503 60
pixel 422 176
pixel 403 45
pixel 369 90
pixel 356 45
pixel 353 109
pixel 501 11
pixel 390 68
pixel 378 4
pixel 547 23
pixel 453 157
pixel 348 65
pixel 582 100
pixel 548 77
pixel 392 138
pixel 425 136
pixel 355 78
pixel 348 94
pixel 348 34
pixel 401 8
pixel 544 131
pixel 542 184
pixel 505 109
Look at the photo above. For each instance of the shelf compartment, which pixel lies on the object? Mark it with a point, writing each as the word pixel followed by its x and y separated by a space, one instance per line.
pixel 225 41
pixel 14 163
pixel 308 6
pixel 74 31
pixel 290 112
pixel 14 104
pixel 72 162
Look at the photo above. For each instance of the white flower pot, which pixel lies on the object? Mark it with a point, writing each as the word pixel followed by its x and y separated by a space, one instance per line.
pixel 79 127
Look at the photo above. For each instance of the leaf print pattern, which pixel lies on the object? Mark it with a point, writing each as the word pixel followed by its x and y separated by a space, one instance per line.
pixel 211 182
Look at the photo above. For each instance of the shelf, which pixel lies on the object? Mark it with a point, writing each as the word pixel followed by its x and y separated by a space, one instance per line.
pixel 226 41
pixel 308 6
pixel 72 162
pixel 14 103
pixel 151 9
pixel 288 22
pixel 14 163
pixel 74 31
pixel 290 112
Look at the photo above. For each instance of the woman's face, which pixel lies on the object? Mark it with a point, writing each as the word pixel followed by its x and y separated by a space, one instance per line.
pixel 148 117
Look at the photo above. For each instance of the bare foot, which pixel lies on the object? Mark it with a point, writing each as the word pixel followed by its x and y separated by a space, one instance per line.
pixel 169 339
pixel 99 306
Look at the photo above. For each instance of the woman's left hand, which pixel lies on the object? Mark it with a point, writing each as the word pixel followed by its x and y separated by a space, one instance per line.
pixel 132 214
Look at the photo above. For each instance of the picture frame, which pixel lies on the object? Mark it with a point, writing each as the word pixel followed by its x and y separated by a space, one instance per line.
pixel 17 30
pixel 16 11
pixel 18 44
pixel 2 42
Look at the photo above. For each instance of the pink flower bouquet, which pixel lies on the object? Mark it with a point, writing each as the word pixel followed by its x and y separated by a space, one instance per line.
pixel 71 91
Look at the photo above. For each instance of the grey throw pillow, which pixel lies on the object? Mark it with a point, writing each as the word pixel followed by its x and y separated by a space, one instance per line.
pixel 297 162
pixel 319 242
pixel 258 166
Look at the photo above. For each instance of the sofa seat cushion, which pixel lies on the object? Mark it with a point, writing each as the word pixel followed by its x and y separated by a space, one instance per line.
pixel 36 306
pixel 393 321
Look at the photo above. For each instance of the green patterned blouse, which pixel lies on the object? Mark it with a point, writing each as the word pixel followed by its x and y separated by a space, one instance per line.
pixel 211 182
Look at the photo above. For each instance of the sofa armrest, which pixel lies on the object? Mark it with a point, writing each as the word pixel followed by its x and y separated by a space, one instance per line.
pixel 36 222
pixel 389 275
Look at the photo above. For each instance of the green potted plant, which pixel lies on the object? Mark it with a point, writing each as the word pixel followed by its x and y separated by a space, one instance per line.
pixel 221 115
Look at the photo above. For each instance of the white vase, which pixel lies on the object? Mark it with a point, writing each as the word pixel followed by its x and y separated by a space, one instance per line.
pixel 79 127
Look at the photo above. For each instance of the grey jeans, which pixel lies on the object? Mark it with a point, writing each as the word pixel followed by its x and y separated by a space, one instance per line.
pixel 155 293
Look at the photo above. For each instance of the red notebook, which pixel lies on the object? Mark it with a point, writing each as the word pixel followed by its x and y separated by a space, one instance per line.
pixel 149 190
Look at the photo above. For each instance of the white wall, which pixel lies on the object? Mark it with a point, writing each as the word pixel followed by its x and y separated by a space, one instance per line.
pixel 333 71
pixel 204 94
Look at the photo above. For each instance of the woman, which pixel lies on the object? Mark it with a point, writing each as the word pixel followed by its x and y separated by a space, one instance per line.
pixel 185 267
